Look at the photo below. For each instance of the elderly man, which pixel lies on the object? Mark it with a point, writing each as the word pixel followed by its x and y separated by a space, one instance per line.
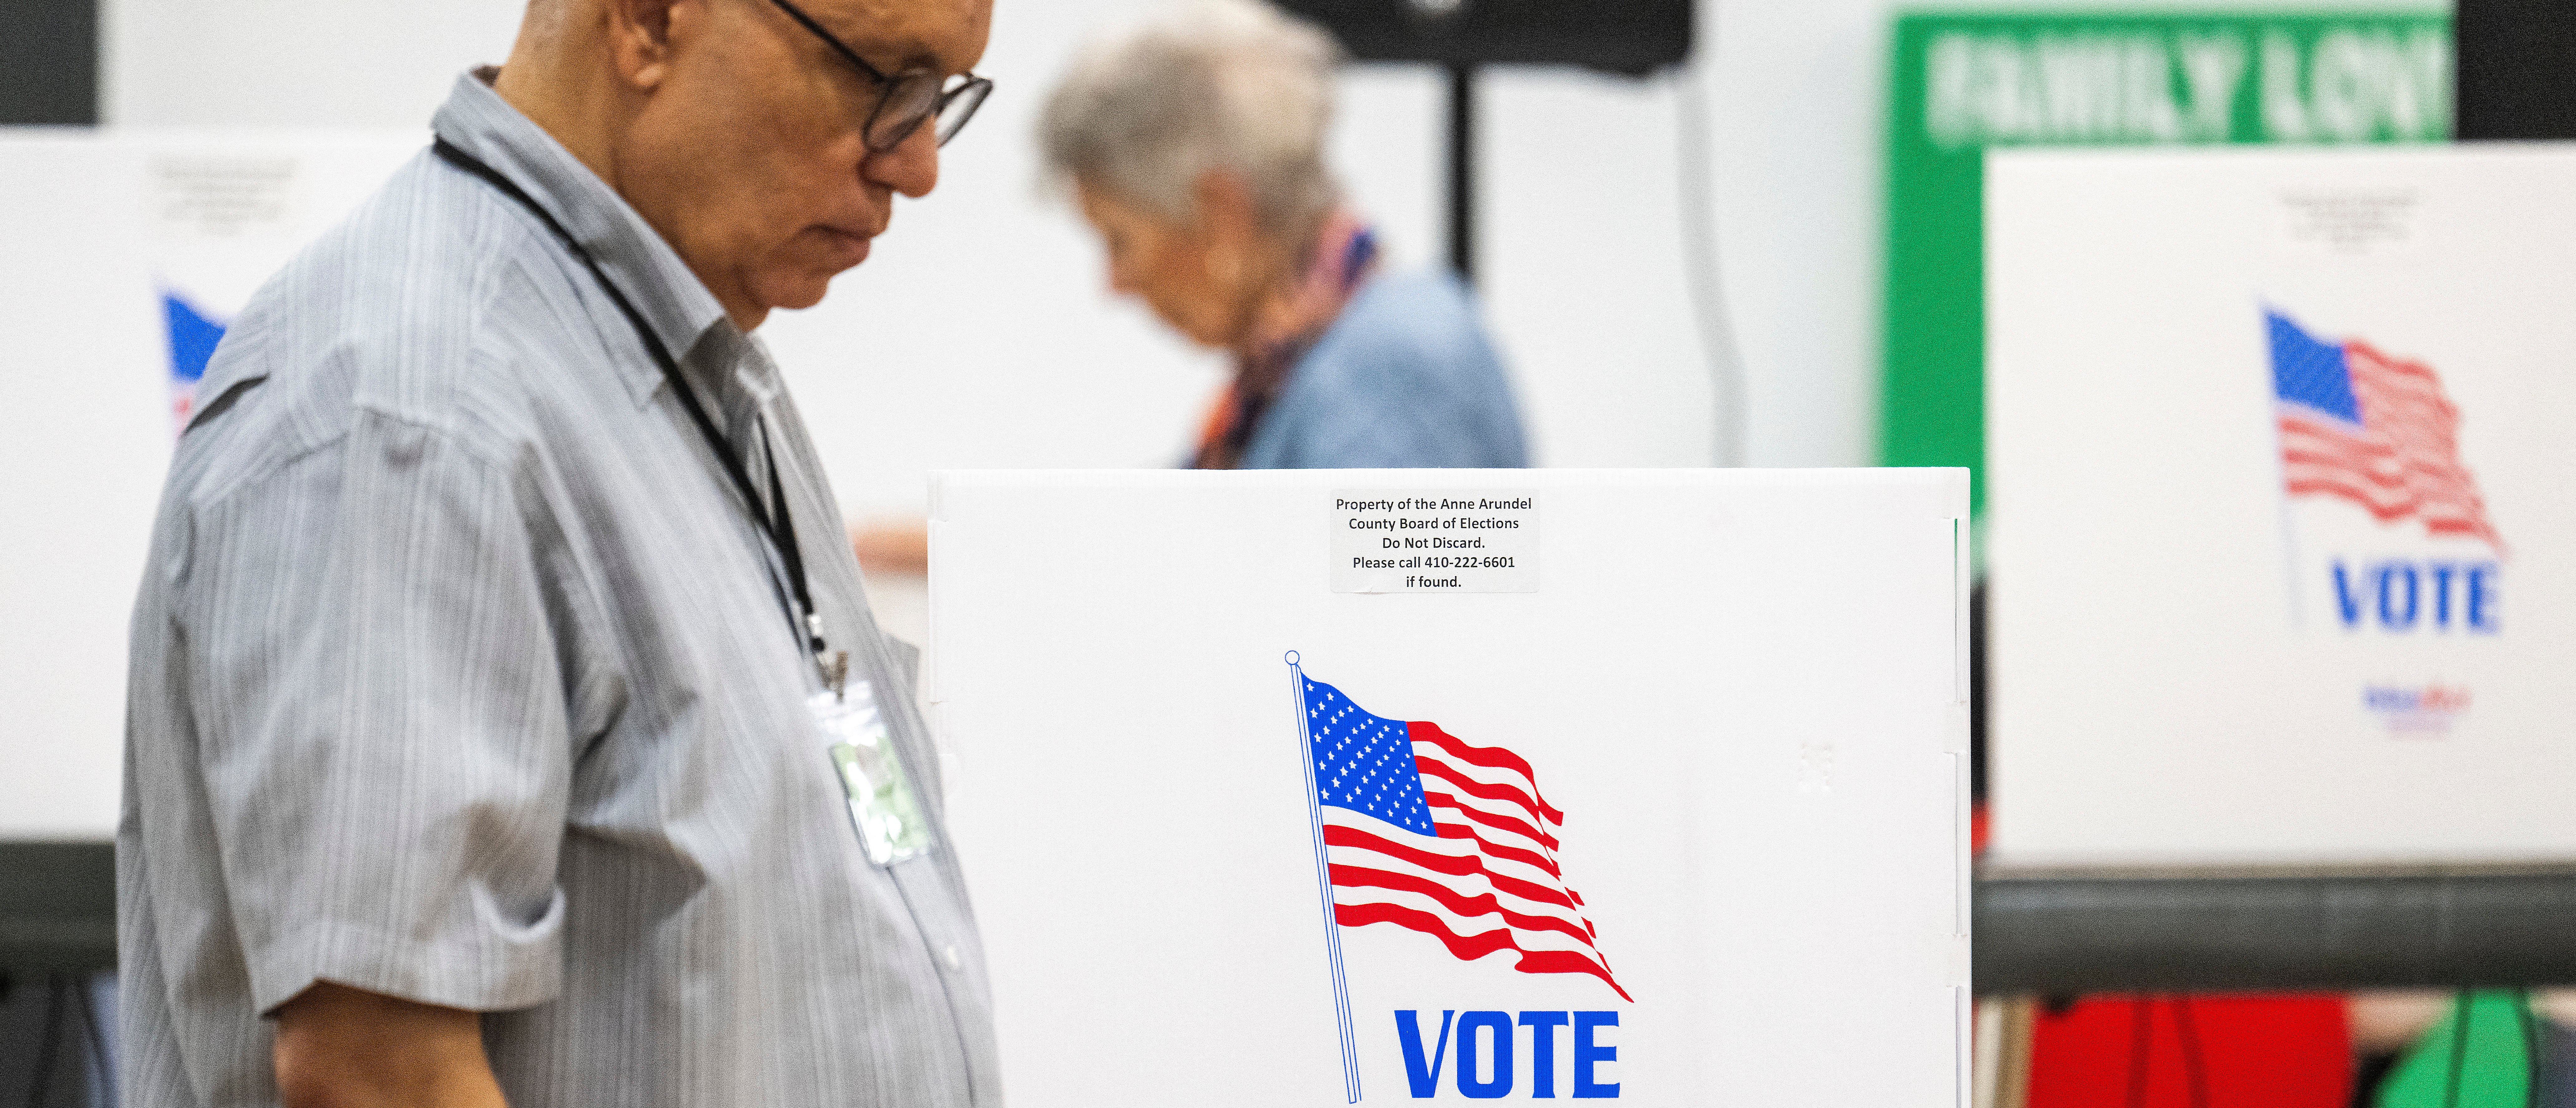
pixel 506 721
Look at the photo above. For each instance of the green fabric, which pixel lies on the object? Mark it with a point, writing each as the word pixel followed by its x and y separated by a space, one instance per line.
pixel 2495 1067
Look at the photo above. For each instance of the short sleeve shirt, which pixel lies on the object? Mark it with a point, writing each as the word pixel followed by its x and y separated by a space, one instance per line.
pixel 461 673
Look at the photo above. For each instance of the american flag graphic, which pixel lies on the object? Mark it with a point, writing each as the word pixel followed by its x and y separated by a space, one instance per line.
pixel 1425 832
pixel 2361 426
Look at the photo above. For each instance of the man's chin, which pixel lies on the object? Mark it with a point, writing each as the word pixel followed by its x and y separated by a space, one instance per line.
pixel 801 282
pixel 798 290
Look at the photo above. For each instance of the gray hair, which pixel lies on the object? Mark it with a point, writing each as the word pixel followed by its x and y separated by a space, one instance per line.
pixel 1231 85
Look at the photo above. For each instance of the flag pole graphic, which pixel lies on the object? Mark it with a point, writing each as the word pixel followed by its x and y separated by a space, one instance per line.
pixel 2290 567
pixel 1324 883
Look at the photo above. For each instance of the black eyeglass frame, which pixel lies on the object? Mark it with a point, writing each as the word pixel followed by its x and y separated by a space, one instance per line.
pixel 977 88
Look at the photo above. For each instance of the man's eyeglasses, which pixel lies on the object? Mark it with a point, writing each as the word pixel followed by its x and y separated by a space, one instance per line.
pixel 908 99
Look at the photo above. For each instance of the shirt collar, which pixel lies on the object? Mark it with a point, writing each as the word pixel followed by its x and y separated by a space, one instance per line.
pixel 673 302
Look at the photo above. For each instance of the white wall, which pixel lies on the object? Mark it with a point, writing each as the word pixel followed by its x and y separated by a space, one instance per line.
pixel 1798 95
pixel 292 63
pixel 96 227
pixel 87 445
pixel 979 336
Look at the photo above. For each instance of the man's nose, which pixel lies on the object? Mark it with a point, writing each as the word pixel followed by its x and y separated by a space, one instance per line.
pixel 912 167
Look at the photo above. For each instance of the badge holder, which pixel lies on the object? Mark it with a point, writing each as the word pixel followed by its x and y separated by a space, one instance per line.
pixel 889 819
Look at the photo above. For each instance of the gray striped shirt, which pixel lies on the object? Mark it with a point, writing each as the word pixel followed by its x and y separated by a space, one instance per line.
pixel 461 674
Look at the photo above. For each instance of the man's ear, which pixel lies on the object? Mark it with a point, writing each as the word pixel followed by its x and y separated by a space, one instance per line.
pixel 639 37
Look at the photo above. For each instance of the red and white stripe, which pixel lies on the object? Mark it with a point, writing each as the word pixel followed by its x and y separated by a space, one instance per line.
pixel 2403 462
pixel 1488 881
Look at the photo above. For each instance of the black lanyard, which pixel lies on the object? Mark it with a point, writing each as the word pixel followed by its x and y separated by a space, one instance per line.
pixel 775 522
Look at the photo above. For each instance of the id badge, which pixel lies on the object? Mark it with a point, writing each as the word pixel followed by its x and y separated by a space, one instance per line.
pixel 882 806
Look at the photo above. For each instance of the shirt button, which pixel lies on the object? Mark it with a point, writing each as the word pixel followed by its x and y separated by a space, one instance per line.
pixel 948 954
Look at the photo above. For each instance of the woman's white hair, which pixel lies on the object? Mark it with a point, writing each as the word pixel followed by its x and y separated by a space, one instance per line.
pixel 1231 85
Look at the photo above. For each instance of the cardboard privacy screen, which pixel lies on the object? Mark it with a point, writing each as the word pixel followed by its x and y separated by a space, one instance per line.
pixel 2284 549
pixel 1633 785
pixel 127 252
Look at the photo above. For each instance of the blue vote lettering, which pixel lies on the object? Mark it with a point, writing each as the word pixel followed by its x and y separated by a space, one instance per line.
pixel 1423 1076
pixel 1589 1053
pixel 1488 1056
pixel 2394 614
pixel 1469 1054
pixel 2400 595
pixel 1543 1027
pixel 2482 607
pixel 2347 605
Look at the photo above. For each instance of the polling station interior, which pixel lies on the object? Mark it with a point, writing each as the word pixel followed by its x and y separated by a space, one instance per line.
pixel 2044 575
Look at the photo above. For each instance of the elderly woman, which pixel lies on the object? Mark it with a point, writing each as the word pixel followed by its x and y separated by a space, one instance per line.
pixel 1195 147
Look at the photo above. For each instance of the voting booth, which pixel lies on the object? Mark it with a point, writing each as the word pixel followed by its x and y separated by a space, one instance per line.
pixel 127 255
pixel 2283 550
pixel 1330 787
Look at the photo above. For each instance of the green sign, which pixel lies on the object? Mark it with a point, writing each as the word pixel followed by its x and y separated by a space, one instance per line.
pixel 1964 81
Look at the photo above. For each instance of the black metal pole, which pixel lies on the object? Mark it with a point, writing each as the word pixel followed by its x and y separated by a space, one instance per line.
pixel 1462 170
pixel 2511 73
pixel 49 62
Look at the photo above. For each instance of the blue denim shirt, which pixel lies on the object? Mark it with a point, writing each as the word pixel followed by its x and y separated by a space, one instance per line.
pixel 1405 378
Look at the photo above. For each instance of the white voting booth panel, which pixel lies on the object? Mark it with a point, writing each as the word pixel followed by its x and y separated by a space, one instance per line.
pixel 2283 540
pixel 103 233
pixel 1740 696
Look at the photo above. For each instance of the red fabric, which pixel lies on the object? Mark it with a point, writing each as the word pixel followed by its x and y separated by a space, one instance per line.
pixel 2281 1051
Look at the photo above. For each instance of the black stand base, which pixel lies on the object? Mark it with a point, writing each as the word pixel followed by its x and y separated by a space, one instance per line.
pixel 2069 934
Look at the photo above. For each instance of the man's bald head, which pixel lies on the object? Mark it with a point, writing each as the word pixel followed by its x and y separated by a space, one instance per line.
pixel 735 131
pixel 545 20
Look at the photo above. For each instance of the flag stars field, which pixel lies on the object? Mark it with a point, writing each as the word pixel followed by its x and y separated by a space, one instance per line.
pixel 1425 832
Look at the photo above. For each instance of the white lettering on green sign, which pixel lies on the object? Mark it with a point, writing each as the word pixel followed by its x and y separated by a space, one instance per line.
pixel 2348 84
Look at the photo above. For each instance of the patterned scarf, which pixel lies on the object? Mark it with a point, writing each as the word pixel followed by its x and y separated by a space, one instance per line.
pixel 1342 259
